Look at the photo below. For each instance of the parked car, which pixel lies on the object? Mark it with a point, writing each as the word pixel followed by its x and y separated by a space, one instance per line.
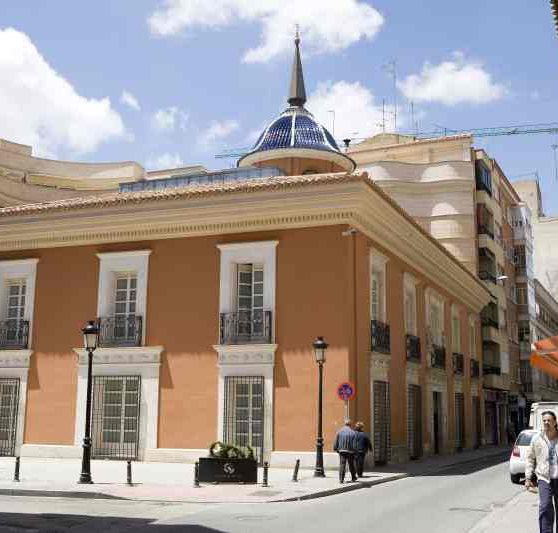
pixel 518 456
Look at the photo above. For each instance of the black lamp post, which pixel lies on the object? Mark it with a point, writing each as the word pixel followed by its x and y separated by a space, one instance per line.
pixel 320 347
pixel 90 337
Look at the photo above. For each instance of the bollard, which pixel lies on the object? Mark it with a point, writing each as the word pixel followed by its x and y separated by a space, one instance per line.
pixel 16 471
pixel 129 473
pixel 265 474
pixel 295 472
pixel 196 475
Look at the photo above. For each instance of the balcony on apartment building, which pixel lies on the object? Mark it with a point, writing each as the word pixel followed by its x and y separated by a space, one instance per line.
pixel 120 330
pixel 458 363
pixel 438 356
pixel 14 334
pixel 475 368
pixel 412 344
pixel 380 336
pixel 487 265
pixel 245 327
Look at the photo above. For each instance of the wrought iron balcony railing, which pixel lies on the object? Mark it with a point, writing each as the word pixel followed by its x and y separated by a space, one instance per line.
pixel 475 368
pixel 14 334
pixel 485 275
pixel 490 322
pixel 483 230
pixel 245 327
pixel 491 369
pixel 413 347
pixel 458 365
pixel 380 336
pixel 438 356
pixel 120 330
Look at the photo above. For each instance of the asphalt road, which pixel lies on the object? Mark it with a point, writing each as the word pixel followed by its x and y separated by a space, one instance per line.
pixel 451 500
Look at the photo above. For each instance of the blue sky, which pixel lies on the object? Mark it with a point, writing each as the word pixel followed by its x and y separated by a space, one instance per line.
pixel 175 82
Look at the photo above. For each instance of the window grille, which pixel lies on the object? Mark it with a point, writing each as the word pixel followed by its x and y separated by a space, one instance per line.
pixel 243 423
pixel 116 415
pixel 9 399
pixel 414 421
pixel 459 420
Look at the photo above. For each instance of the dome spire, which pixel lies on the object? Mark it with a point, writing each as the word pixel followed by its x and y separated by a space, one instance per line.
pixel 297 92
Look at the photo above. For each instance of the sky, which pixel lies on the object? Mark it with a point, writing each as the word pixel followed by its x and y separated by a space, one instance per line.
pixel 169 83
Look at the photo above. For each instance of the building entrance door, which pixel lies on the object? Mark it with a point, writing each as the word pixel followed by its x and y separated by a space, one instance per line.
pixel 382 425
pixel 414 421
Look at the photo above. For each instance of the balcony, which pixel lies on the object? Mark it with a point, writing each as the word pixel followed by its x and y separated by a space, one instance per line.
pixel 483 230
pixel 245 327
pixel 120 330
pixel 485 275
pixel 380 336
pixel 458 365
pixel 488 370
pixel 412 343
pixel 14 334
pixel 475 368
pixel 438 357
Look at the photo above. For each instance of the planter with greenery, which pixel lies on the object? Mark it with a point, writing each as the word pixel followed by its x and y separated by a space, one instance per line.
pixel 228 464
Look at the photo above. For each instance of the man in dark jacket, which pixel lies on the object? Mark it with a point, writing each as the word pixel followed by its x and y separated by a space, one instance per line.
pixel 363 446
pixel 345 445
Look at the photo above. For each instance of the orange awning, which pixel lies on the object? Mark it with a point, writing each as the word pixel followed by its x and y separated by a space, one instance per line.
pixel 545 356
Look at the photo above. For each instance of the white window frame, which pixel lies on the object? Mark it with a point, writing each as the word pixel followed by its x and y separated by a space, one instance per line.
pixel 20 269
pixel 455 329
pixel 378 263
pixel 410 295
pixel 433 299
pixel 247 360
pixel 233 254
pixel 114 263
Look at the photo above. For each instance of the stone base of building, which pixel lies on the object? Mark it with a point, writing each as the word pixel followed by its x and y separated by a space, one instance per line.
pixel 55 451
pixel 399 454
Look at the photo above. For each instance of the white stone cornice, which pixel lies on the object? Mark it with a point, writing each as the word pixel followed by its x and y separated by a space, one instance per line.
pixel 15 358
pixel 141 355
pixel 246 354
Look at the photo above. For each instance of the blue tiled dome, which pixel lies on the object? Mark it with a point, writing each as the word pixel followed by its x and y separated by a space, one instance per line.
pixel 295 128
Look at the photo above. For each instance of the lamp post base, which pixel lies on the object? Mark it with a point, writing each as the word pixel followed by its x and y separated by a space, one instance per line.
pixel 319 469
pixel 85 478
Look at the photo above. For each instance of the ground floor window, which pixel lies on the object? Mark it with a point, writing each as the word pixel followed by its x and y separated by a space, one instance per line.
pixel 414 421
pixel 382 423
pixel 477 426
pixel 9 400
pixel 243 422
pixel 115 417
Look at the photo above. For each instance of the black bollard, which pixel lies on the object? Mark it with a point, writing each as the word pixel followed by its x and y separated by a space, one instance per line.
pixel 129 473
pixel 265 475
pixel 295 472
pixel 16 471
pixel 196 475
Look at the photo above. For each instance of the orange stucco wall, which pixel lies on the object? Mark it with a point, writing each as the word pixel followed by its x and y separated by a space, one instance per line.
pixel 322 288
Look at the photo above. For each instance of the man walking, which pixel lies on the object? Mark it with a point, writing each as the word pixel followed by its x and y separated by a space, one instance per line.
pixel 542 459
pixel 345 446
pixel 363 446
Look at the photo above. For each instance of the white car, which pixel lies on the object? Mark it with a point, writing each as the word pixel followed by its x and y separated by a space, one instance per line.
pixel 519 455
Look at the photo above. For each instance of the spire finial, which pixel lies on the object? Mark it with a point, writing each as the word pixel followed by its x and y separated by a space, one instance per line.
pixel 297 92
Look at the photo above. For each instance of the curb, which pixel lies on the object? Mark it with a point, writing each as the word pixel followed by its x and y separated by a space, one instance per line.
pixel 343 488
pixel 60 494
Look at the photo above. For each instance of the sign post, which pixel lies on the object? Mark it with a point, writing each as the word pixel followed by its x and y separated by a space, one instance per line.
pixel 346 391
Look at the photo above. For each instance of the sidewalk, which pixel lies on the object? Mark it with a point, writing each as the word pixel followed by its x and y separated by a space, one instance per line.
pixel 175 481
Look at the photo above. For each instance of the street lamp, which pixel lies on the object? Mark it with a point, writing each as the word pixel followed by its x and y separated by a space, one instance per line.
pixel 320 347
pixel 90 337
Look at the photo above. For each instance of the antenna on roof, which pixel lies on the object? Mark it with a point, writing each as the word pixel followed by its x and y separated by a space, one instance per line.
pixel 391 69
pixel 554 147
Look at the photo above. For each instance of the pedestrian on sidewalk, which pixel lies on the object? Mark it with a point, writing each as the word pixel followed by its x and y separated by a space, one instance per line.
pixel 363 446
pixel 346 446
pixel 542 460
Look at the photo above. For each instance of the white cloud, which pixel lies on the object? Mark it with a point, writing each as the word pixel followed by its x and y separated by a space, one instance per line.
pixel 452 82
pixel 325 25
pixel 169 119
pixel 218 130
pixel 164 161
pixel 130 100
pixel 356 112
pixel 41 108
